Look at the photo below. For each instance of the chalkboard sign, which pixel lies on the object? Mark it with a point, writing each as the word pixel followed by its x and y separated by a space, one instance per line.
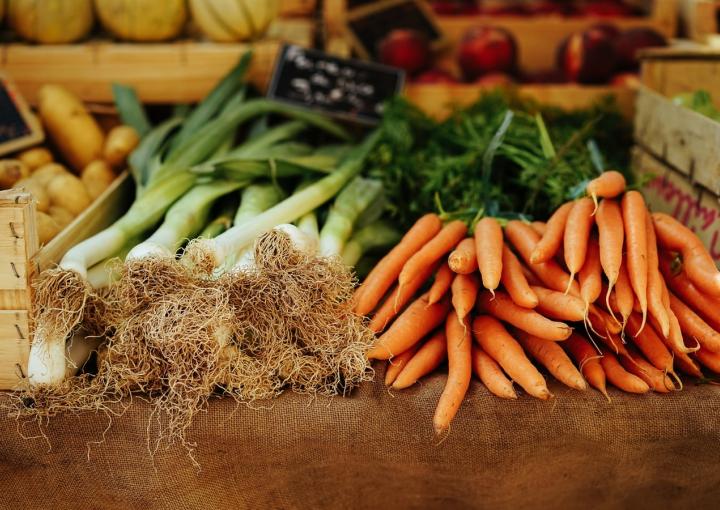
pixel 19 128
pixel 368 25
pixel 344 88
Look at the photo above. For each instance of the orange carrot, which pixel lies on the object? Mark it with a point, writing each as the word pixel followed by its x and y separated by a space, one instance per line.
pixel 587 359
pixel 621 378
pixel 443 280
pixel 397 363
pixel 465 288
pixel 514 280
pixel 462 259
pixel 688 366
pixel 551 356
pixel 650 344
pixel 500 346
pixel 559 306
pixel 697 262
pixel 612 236
pixel 705 306
pixel 552 239
pixel 397 300
pixel 590 277
pixel 577 233
pixel 624 296
pixel 609 184
pixel 601 321
pixel 656 379
pixel 634 211
pixel 441 244
pixel 459 346
pixel 419 319
pixel 540 227
pixel 491 375
pixel 387 270
pixel 654 281
pixel 426 359
pixel 675 339
pixel 502 307
pixel 529 275
pixel 693 326
pixel 552 276
pixel 489 247
pixel 709 359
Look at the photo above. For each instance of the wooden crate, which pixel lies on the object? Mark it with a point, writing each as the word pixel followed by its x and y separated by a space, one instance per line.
pixel 699 20
pixel 176 72
pixel 682 138
pixel 292 8
pixel 671 192
pixel 21 259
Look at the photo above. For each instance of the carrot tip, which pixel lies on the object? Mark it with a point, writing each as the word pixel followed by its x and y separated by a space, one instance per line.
pixel 570 282
pixel 595 201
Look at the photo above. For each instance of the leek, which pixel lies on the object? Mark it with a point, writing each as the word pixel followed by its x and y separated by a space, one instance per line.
pixel 308 223
pixel 374 236
pixel 222 221
pixel 256 199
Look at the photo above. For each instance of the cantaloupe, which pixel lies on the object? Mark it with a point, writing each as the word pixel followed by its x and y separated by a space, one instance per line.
pixel 142 20
pixel 233 20
pixel 51 21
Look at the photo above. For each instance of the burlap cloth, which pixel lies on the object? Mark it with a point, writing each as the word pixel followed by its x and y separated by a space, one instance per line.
pixel 376 450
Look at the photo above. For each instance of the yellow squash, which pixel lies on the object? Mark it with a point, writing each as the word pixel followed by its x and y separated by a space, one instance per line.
pixel 142 20
pixel 233 20
pixel 51 21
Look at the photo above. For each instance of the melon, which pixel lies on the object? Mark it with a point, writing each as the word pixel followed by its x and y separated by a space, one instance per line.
pixel 142 20
pixel 51 21
pixel 233 20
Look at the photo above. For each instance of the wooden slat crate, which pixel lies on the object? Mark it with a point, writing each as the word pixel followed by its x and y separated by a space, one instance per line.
pixel 291 8
pixel 176 72
pixel 699 19
pixel 21 259
pixel 685 140
pixel 673 193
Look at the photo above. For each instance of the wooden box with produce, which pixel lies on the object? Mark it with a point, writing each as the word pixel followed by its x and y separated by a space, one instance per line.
pixel 699 19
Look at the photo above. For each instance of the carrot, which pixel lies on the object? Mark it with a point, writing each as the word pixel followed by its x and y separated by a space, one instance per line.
pixel 654 278
pixel 693 326
pixel 540 227
pixel 697 262
pixel 621 378
pixel 705 306
pixel 656 379
pixel 615 344
pixel 426 359
pixel 590 277
pixel 552 276
pixel 709 359
pixel 489 247
pixel 577 233
pixel 687 365
pixel 559 306
pixel 443 280
pixel 462 259
pixel 650 344
pixel 397 363
pixel 551 356
pixel 514 280
pixel 397 300
pixel 465 288
pixel 587 358
pixel 611 235
pixel 552 239
pixel 459 346
pixel 418 319
pixel 491 375
pixel 387 270
pixel 441 244
pixel 502 307
pixel 602 321
pixel 634 211
pixel 624 296
pixel 500 346
pixel 529 275
pixel 609 184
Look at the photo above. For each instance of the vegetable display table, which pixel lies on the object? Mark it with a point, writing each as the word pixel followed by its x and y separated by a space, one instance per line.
pixel 377 450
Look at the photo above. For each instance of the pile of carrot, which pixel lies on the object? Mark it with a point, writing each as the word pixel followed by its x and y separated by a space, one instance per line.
pixel 604 292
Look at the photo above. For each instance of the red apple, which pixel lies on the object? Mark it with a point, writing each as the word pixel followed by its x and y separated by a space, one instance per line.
pixel 608 29
pixel 495 80
pixel 632 41
pixel 485 50
pixel 435 76
pixel 406 49
pixel 588 57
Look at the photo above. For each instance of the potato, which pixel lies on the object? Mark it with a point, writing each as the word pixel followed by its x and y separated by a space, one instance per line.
pixel 46 173
pixel 62 216
pixel 120 142
pixel 96 177
pixel 36 157
pixel 68 192
pixel 37 190
pixel 11 171
pixel 47 228
pixel 74 131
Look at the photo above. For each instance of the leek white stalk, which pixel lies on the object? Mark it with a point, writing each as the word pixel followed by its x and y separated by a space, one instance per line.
pixel 216 251
pixel 256 199
pixel 376 235
pixel 349 204
pixel 184 219
pixel 78 352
